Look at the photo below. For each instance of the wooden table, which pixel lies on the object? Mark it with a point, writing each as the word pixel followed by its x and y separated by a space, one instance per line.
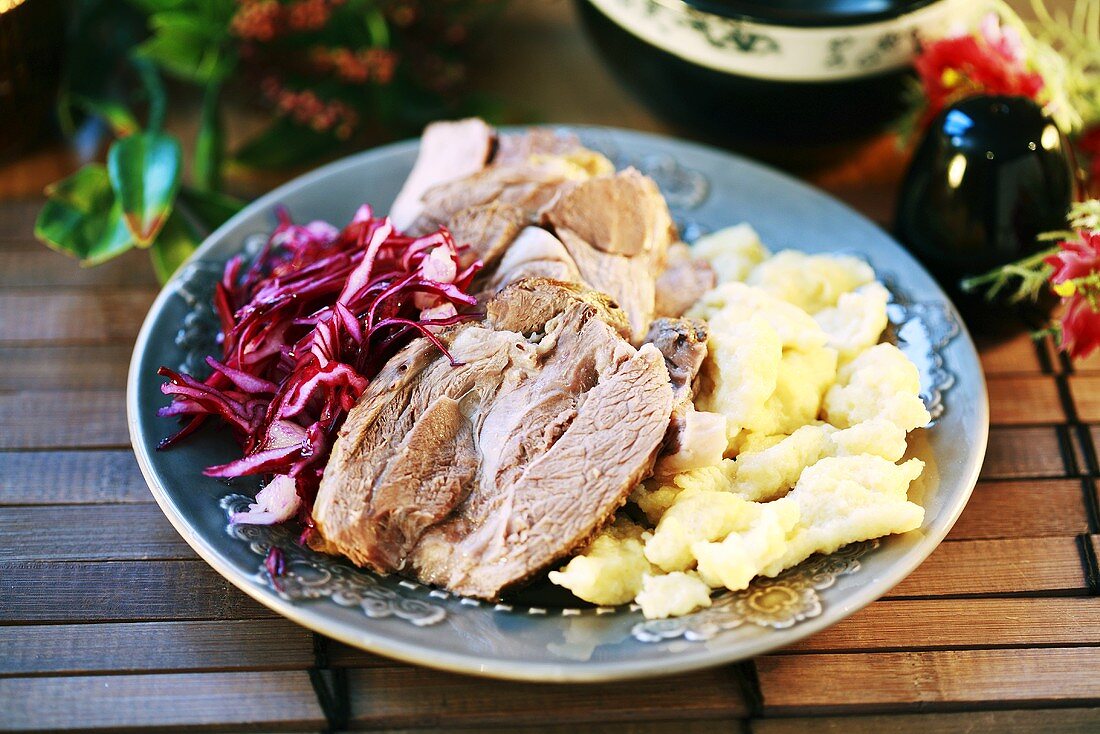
pixel 108 620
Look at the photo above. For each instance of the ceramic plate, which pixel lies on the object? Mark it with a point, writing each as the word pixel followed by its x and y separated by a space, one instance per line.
pixel 542 635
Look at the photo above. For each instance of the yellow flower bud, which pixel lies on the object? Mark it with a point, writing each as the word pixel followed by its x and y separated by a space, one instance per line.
pixel 1065 289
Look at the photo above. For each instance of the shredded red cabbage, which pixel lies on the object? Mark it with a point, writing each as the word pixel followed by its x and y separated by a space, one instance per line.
pixel 304 327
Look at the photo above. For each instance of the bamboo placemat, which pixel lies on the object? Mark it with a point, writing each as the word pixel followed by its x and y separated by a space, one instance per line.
pixel 109 621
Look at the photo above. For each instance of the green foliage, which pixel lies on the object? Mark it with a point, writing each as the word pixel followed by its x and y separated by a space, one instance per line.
pixel 190 39
pixel 285 144
pixel 330 70
pixel 174 245
pixel 81 218
pixel 211 208
pixel 144 169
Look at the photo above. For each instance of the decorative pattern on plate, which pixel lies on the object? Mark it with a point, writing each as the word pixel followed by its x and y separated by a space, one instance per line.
pixel 778 603
pixel 312 575
pixel 921 330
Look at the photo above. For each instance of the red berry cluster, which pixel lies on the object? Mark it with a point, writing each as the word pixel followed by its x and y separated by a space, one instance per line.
pixel 306 108
pixel 266 20
pixel 358 66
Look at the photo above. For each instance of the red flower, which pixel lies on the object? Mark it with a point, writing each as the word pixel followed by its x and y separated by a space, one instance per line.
pixel 1080 327
pixel 953 68
pixel 1080 319
pixel 1076 258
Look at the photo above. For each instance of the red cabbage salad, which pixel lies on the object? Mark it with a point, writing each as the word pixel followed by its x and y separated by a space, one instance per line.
pixel 304 328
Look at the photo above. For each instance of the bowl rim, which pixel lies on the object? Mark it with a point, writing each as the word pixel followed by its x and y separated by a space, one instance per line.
pixel 762 14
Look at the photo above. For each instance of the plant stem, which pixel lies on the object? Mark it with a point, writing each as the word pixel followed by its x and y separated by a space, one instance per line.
pixel 970 285
pixel 209 143
pixel 154 88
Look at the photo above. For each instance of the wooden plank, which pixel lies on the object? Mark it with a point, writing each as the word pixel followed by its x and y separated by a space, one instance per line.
pixel 43 268
pixel 1023 509
pixel 1024 399
pixel 64 368
pixel 1017 721
pixel 1016 453
pixel 72 591
pixel 17 219
pixel 928 680
pixel 677 726
pixel 122 532
pixel 958 623
pixel 1017 355
pixel 71 477
pixel 35 316
pixel 63 419
pixel 412 697
pixel 1086 396
pixel 79 649
pixel 266 701
pixel 1009 566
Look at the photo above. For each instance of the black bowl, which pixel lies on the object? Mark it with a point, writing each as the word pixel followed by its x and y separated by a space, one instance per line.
pixel 779 78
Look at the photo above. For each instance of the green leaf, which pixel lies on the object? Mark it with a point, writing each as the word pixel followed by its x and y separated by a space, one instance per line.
pixel 184 48
pixel 285 144
pixel 81 218
pixel 115 114
pixel 172 247
pixel 211 208
pixel 145 173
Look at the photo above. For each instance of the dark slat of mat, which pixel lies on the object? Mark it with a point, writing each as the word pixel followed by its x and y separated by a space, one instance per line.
pixel 69 591
pixel 955 624
pixel 1017 721
pixel 932 680
pixel 63 419
pixel 71 477
pixel 81 649
pixel 75 316
pixel 263 701
pixel 89 533
pixel 90 366
pixel 410 697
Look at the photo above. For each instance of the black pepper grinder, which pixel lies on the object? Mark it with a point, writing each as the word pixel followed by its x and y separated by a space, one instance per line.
pixel 991 174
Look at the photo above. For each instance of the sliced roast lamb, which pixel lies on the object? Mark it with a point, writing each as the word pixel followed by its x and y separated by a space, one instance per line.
pixel 486 231
pixel 535 253
pixel 695 438
pixel 478 476
pixel 617 229
pixel 448 151
pixel 683 282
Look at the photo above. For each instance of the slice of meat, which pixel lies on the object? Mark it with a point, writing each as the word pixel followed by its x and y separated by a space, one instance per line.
pixel 535 253
pixel 683 282
pixel 405 456
pixel 617 229
pixel 448 151
pixel 519 147
pixel 529 304
pixel 683 342
pixel 479 476
pixel 487 230
pixel 528 186
pixel 695 438
pixel 623 214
